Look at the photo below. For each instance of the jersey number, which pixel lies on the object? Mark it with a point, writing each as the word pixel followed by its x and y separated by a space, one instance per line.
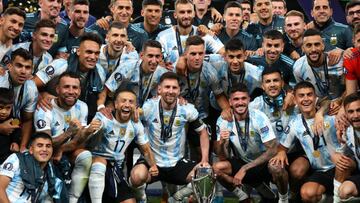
pixel 119 146
pixel 278 126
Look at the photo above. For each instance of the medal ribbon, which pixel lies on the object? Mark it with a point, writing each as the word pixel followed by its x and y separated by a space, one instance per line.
pixel 178 40
pixel 192 94
pixel 108 59
pixel 166 130
pixel 243 139
pixel 322 85
pixel 143 93
pixel 315 139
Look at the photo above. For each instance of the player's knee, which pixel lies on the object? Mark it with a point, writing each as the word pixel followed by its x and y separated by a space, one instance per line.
pixel 217 167
pixel 298 171
pixel 308 194
pixel 84 160
pixel 276 170
pixel 139 175
pixel 346 190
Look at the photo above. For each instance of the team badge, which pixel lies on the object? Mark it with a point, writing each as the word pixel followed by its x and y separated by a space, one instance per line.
pixel 8 166
pixel 333 40
pixel 15 122
pixel 252 133
pixel 50 70
pixel 192 82
pixel 67 118
pixel 122 131
pixel 131 134
pixel 40 123
pixel 118 77
pixel 264 129
pixel 177 122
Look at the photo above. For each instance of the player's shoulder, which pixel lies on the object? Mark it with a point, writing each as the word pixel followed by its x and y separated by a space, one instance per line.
pixel 30 85
pixel 246 34
pixel 289 61
pixel 300 62
pixel 137 29
pixel 81 105
pixel 257 103
pixel 166 32
pixel 338 25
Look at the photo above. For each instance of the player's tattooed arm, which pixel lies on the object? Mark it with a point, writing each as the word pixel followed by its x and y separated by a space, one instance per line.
pixel 271 150
pixel 149 158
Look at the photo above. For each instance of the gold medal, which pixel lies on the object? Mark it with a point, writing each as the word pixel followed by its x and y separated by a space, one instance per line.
pixel 131 134
pixel 166 120
pixel 122 131
pixel 67 119
pixel 15 122
pixel 316 153
pixel 327 125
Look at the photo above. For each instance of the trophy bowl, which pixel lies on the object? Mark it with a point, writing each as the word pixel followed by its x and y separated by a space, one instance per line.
pixel 203 184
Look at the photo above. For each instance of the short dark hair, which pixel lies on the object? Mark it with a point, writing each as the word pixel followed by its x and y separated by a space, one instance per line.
pixel 125 86
pixel 239 87
pixel 23 53
pixel 303 84
pixel 269 70
pixel 246 2
pixel 151 43
pixel 151 2
pixel 234 44
pixel 39 135
pixel 44 23
pixel 169 75
pixel 14 11
pixel 295 13
pixel 194 40
pixel 311 32
pixel 283 1
pixel 183 2
pixel 80 2
pixel 273 35
pixel 91 36
pixel 313 4
pixel 232 4
pixel 350 4
pixel 118 25
pixel 6 96
pixel 351 98
pixel 69 74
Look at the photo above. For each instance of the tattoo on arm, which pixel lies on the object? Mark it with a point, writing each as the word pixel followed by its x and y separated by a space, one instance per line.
pixel 271 150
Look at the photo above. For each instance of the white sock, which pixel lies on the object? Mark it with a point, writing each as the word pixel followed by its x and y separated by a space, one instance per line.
pixel 97 182
pixel 336 191
pixel 218 190
pixel 325 199
pixel 240 193
pixel 80 175
pixel 139 191
pixel 283 198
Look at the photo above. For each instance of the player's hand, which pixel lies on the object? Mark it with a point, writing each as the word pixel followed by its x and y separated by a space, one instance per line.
pixel 259 52
pixel 107 112
pixel 342 162
pixel 318 127
pixel 62 55
pixel 249 53
pixel 181 68
pixel 104 23
pixel 239 176
pixel 169 66
pixel 224 135
pixel 14 147
pixel 74 127
pixel 44 101
pixel 2 71
pixel 182 101
pixel 348 54
pixel 216 29
pixel 288 101
pixel 57 156
pixel 137 112
pixel 280 159
pixel 215 15
pixel 203 30
pixel 129 46
pixel 310 25
pixel 154 171
pixel 227 114
pixel 93 127
pixel 335 56
pixel 335 107
pixel 7 127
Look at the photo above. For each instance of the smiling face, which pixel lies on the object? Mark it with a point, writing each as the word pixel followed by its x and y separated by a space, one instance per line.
pixel 195 56
pixel 169 90
pixel 184 15
pixel 233 18
pixel 321 11
pixel 313 47
pixel 79 15
pixel 272 48
pixel 294 27
pixel 44 37
pixel 12 25
pixel 116 38
pixel 305 98
pixel 263 9
pixel 353 113
pixel 122 11
pixel 272 84
pixel 41 149
pixel 235 60
pixel 278 8
pixel 68 91
pixel 239 102
pixel 246 8
pixel 152 14
pixel 50 8
pixel 125 104
pixel 151 58
pixel 88 54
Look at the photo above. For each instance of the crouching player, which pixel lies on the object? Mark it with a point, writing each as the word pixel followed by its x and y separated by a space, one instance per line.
pixel 109 141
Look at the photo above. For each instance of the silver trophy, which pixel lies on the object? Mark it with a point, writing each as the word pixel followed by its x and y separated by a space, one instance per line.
pixel 203 184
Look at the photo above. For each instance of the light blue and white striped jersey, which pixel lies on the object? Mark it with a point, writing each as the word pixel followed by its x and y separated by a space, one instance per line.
pixel 57 119
pixel 296 129
pixel 25 102
pixel 59 66
pixel 131 71
pixel 16 190
pixel 38 64
pixel 303 72
pixel 110 65
pixel 260 132
pixel 170 48
pixel 279 119
pixel 114 137
pixel 168 153
pixel 201 85
pixel 350 143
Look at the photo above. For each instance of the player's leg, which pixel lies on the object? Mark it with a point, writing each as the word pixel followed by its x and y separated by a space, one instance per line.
pixel 80 173
pixel 139 176
pixel 350 188
pixel 341 176
pixel 297 172
pixel 97 179
pixel 317 185
pixel 281 179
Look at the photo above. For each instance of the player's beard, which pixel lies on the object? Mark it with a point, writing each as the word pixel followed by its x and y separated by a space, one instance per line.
pixel 241 112
pixel 186 25
pixel 122 117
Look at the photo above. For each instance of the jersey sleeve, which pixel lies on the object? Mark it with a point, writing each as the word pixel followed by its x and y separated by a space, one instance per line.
pixel 118 76
pixel 264 127
pixel 52 70
pixel 42 120
pixel 213 44
pixel 148 109
pixel 288 136
pixel 140 138
pixel 214 80
pixel 31 95
pixel 84 114
pixel 192 116
pixel 10 166
pixel 349 69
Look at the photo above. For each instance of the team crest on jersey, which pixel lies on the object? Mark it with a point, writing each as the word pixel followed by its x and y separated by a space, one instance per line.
pixel 131 134
pixel 177 122
pixel 252 133
pixel 40 123
pixel 175 48
pixel 122 131
pixel 118 77
pixel 50 70
pixel 67 119
pixel 8 166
